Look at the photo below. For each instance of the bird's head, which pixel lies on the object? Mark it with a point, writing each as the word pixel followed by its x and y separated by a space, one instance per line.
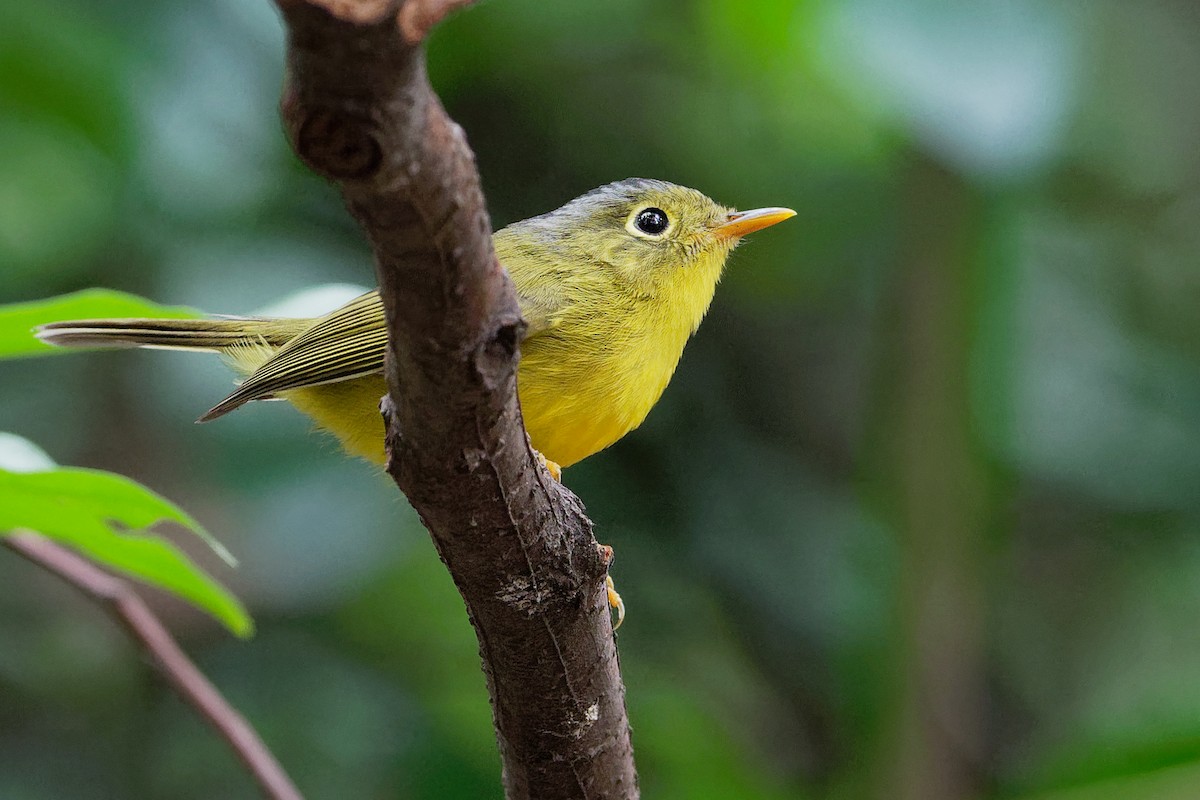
pixel 655 235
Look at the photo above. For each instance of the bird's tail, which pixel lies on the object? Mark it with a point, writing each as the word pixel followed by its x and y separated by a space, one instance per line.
pixel 218 335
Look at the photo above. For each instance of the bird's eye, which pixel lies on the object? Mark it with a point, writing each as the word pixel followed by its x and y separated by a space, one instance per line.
pixel 652 221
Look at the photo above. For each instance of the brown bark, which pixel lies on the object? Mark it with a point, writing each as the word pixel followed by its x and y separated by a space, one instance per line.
pixel 359 110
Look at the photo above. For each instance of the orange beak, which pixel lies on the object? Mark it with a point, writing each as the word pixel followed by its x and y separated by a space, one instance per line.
pixel 740 223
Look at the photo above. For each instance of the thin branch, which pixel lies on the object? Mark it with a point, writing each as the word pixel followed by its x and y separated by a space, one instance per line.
pixel 132 612
pixel 359 110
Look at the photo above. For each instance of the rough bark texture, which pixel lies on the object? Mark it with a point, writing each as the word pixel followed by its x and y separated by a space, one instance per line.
pixel 358 109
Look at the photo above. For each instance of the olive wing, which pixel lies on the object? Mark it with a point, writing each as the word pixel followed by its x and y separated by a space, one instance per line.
pixel 348 343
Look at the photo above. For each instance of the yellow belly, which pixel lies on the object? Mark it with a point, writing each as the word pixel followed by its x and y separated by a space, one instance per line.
pixel 571 410
pixel 349 410
pixel 576 407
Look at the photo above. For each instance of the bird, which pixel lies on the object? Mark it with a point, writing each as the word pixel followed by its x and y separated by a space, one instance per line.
pixel 611 286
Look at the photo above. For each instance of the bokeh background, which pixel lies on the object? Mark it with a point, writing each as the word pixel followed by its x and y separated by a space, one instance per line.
pixel 919 516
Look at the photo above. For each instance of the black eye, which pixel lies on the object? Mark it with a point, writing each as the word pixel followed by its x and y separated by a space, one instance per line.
pixel 652 221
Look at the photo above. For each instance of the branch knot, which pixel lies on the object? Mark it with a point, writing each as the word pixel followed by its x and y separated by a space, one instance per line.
pixel 339 145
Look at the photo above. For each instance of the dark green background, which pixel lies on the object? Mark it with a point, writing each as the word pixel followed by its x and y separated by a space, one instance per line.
pixel 918 516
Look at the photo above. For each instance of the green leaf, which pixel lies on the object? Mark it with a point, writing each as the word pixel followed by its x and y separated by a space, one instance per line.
pixel 17 321
pixel 105 516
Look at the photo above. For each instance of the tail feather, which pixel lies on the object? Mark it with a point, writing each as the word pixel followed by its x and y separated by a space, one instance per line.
pixel 174 334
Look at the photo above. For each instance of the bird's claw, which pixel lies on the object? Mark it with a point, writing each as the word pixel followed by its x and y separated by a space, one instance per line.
pixel 614 599
pixel 554 469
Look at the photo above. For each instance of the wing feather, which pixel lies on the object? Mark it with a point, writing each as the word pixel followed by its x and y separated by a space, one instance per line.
pixel 347 343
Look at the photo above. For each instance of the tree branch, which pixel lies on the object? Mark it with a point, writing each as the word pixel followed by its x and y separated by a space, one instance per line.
pixel 359 110
pixel 191 684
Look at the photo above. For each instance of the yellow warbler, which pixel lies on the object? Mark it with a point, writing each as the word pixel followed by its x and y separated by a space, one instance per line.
pixel 612 284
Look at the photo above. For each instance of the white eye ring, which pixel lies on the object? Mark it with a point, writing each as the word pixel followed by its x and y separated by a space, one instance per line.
pixel 649 222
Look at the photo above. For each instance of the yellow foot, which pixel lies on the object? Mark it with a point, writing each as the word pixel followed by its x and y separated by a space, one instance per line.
pixel 614 599
pixel 554 469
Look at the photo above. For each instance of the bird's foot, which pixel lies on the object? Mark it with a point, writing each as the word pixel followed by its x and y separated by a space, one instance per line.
pixel 554 469
pixel 614 599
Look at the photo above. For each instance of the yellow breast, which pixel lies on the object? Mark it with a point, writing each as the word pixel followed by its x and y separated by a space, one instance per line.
pixel 575 406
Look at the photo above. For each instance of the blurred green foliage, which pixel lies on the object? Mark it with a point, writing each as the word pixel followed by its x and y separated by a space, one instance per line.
pixel 19 321
pixel 918 517
pixel 108 518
